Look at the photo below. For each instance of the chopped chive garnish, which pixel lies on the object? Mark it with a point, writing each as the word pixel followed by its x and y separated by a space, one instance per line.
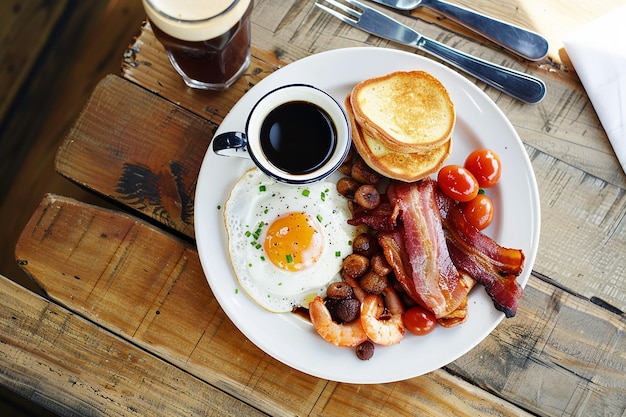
pixel 219 207
pixel 306 192
pixel 338 253
pixel 319 218
pixel 262 258
pixel 323 196
pixel 258 246
pixel 262 188
pixel 248 233
pixel 289 258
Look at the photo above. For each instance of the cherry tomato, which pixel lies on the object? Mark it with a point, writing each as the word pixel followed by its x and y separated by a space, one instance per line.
pixel 457 183
pixel 485 165
pixel 419 321
pixel 479 211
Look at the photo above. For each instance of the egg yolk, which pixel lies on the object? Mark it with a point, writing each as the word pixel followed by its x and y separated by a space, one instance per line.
pixel 293 242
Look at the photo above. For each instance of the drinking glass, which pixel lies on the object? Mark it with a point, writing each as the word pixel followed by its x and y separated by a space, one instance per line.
pixel 207 41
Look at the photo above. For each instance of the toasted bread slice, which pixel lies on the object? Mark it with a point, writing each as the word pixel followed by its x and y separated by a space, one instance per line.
pixel 406 111
pixel 402 166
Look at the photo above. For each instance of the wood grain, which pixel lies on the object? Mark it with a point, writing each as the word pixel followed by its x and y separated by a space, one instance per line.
pixel 156 180
pixel 169 310
pixel 73 368
pixel 583 237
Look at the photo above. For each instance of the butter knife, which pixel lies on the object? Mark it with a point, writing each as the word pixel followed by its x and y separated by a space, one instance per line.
pixel 521 86
pixel 523 42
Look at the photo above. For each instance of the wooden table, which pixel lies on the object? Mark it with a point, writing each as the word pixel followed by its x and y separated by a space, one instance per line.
pixel 130 326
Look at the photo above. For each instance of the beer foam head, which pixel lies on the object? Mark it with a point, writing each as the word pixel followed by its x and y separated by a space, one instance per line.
pixel 195 20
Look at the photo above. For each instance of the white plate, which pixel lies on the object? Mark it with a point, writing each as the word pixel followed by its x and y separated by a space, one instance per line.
pixel 292 340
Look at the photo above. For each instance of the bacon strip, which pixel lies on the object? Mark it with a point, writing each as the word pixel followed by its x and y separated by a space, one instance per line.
pixel 378 219
pixel 459 315
pixel 436 254
pixel 433 280
pixel 392 243
pixel 492 265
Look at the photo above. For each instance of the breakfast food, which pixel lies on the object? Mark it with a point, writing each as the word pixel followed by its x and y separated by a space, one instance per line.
pixel 403 166
pixel 402 124
pixel 287 242
pixel 409 110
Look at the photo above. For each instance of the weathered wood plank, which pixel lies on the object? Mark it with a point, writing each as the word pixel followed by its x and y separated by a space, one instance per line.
pixel 595 268
pixel 562 341
pixel 159 180
pixel 151 291
pixel 74 368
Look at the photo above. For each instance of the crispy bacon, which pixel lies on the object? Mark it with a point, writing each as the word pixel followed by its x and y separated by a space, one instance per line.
pixel 392 243
pixel 425 267
pixel 436 254
pixel 459 315
pixel 378 219
pixel 493 266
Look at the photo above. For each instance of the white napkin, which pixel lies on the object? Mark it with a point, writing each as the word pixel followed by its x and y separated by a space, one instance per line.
pixel 598 52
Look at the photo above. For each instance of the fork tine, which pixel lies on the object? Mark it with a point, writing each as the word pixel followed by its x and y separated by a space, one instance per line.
pixel 338 15
pixel 342 7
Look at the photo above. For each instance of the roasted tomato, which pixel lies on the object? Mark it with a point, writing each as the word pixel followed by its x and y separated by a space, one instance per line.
pixel 457 183
pixel 485 165
pixel 479 211
pixel 419 321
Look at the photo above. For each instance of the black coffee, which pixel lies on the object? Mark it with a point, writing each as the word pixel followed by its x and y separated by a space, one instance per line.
pixel 298 137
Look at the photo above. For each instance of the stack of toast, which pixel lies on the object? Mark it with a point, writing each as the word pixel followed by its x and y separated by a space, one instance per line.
pixel 402 124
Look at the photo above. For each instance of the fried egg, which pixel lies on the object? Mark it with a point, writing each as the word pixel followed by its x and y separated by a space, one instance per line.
pixel 286 242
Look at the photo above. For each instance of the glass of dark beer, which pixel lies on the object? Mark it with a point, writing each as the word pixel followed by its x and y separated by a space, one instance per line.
pixel 207 41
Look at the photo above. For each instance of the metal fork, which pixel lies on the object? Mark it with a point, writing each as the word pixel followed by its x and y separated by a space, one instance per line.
pixel 516 84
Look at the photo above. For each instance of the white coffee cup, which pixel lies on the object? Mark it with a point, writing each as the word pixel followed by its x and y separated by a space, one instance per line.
pixel 296 134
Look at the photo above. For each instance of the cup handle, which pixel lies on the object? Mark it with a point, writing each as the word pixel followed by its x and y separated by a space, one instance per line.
pixel 231 144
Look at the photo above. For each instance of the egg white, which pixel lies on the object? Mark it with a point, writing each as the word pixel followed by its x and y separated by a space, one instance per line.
pixel 254 203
